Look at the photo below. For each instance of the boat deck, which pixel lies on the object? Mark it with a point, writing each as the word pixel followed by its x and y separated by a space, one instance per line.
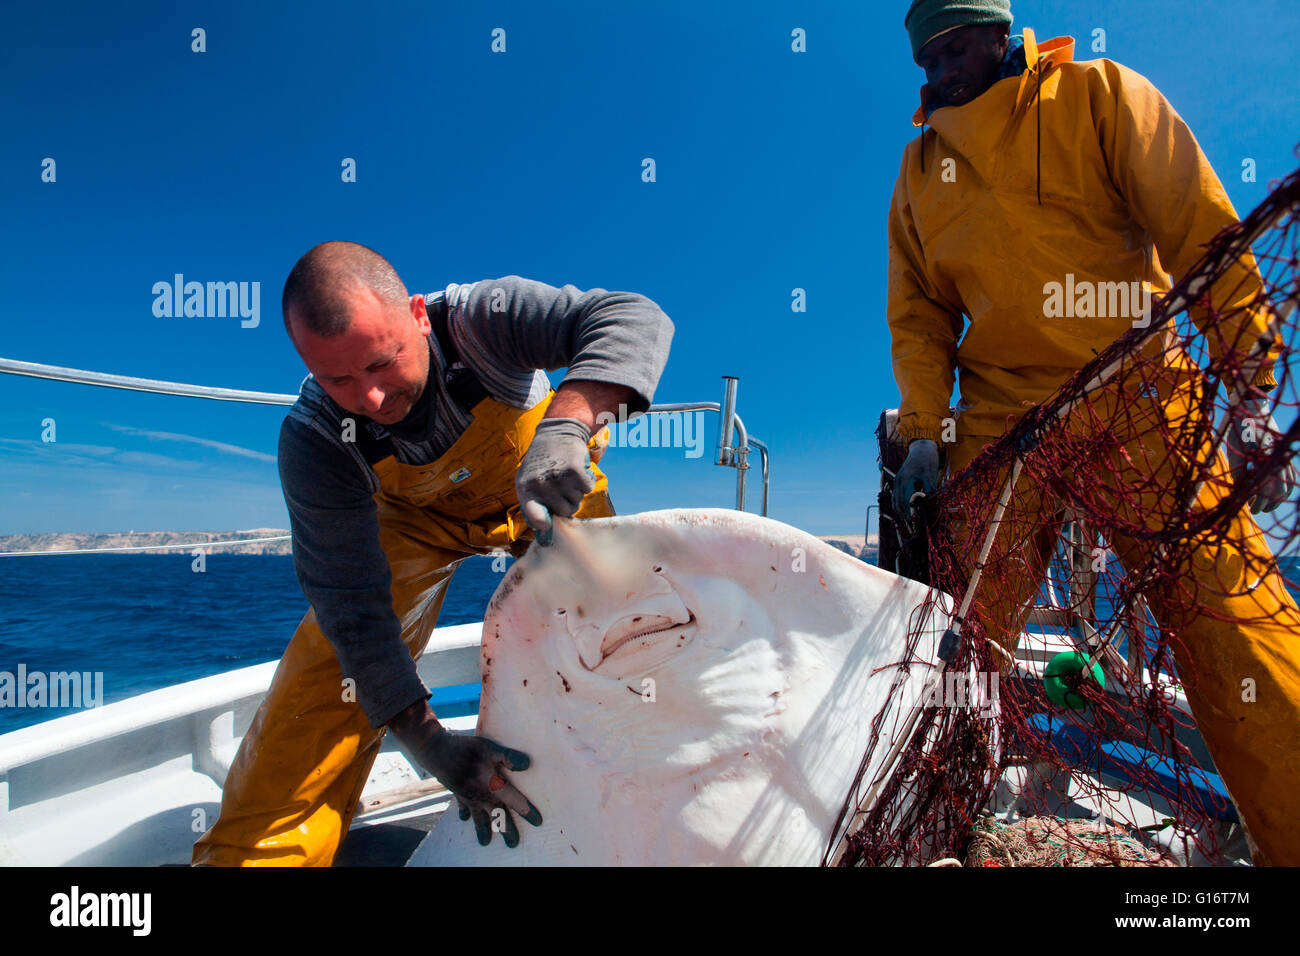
pixel 135 782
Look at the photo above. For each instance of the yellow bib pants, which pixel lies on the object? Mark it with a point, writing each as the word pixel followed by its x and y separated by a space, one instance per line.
pixel 296 781
pixel 1236 628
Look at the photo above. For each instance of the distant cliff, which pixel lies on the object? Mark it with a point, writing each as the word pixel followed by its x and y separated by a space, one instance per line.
pixel 855 544
pixel 148 541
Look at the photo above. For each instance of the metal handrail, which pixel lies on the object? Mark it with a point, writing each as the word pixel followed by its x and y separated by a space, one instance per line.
pixel 104 380
pixel 728 455
pixel 734 455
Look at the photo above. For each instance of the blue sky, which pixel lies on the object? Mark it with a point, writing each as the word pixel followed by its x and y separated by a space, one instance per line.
pixel 774 172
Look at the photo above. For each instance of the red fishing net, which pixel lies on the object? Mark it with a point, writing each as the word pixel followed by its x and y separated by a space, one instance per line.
pixel 1114 592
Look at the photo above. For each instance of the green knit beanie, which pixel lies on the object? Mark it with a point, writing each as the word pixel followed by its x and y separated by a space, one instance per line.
pixel 926 19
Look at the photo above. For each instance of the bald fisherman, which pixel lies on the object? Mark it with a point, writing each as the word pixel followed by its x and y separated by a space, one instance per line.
pixel 426 432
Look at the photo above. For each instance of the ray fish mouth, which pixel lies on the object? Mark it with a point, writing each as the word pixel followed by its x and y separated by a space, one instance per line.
pixel 638 633
pixel 638 627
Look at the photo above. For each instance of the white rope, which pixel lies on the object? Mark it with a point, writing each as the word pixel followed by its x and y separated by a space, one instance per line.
pixel 146 547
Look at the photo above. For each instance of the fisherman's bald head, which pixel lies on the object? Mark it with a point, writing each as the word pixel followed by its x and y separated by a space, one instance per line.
pixel 360 335
pixel 323 286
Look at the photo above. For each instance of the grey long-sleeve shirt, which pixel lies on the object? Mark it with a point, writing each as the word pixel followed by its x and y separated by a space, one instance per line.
pixel 506 330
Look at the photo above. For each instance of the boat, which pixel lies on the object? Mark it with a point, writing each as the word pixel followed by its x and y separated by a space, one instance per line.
pixel 134 783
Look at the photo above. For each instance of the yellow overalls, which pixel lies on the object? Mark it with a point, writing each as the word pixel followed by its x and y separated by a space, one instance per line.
pixel 1024 186
pixel 298 776
pixel 1236 628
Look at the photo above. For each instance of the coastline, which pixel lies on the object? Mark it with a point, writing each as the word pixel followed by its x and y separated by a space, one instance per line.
pixel 172 542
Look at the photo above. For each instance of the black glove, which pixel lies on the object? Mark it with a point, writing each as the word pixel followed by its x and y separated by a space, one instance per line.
pixel 1252 436
pixel 554 475
pixel 919 474
pixel 470 767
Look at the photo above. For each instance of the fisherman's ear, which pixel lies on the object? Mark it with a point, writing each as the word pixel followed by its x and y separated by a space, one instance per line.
pixel 420 314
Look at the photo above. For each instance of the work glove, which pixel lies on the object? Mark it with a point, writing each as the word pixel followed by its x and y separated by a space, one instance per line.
pixel 918 475
pixel 555 474
pixel 1248 438
pixel 473 769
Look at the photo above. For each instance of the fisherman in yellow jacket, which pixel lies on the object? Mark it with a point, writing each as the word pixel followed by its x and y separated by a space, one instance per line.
pixel 1034 172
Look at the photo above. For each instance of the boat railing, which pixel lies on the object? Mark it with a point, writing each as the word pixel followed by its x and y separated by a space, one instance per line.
pixel 734 440
pixel 160 759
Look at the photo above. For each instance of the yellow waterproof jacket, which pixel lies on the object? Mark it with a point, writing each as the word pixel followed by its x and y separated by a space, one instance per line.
pixel 987 216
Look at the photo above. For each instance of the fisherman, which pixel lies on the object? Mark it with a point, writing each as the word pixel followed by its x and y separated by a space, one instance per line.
pixel 1038 170
pixel 426 432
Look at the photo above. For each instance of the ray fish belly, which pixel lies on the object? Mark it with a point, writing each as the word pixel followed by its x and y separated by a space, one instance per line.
pixel 693 686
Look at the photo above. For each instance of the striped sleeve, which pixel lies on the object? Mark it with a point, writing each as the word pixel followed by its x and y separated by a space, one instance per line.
pixel 508 329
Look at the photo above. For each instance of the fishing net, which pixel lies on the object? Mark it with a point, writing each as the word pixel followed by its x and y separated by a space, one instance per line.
pixel 1106 568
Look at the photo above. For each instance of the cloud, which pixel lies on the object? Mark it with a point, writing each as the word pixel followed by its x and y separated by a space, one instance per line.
pixel 57 451
pixel 33 444
pixel 148 458
pixel 59 454
pixel 193 440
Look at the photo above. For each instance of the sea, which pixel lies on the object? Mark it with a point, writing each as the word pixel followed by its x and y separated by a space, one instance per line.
pixel 140 622
pixel 134 623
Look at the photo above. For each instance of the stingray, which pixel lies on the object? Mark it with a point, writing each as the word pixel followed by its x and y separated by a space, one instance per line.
pixel 692 687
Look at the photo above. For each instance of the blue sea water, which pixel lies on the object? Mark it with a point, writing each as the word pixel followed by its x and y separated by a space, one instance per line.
pixel 148 621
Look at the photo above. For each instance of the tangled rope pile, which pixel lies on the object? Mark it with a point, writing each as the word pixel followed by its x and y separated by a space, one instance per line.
pixel 1048 841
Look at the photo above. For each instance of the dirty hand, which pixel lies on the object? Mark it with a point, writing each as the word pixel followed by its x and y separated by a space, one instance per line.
pixel 555 474
pixel 473 769
pixel 1250 437
pixel 919 474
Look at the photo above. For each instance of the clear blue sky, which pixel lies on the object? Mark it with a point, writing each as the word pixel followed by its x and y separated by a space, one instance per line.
pixel 774 172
